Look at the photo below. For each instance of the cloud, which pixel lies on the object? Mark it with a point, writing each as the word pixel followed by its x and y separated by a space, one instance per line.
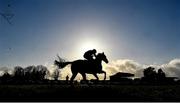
pixel 123 65
pixel 172 68
pixel 3 69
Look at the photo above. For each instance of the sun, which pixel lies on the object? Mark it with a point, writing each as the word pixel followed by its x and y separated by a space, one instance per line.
pixel 84 44
pixel 87 45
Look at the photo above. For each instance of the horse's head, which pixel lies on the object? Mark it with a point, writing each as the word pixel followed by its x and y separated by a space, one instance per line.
pixel 102 56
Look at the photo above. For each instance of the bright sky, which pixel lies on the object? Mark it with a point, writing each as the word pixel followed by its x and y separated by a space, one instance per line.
pixel 143 30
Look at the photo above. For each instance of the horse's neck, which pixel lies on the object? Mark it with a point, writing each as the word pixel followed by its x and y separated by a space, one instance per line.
pixel 98 61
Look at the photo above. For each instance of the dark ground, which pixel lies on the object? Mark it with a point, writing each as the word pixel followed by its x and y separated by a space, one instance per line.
pixel 84 92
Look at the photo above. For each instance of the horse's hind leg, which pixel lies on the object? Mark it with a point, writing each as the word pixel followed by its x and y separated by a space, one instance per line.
pixel 96 76
pixel 84 76
pixel 73 76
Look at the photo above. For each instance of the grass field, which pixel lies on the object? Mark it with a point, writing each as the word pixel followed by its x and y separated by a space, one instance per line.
pixel 84 92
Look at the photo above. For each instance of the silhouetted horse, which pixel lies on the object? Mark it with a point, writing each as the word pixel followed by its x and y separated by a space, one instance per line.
pixel 85 66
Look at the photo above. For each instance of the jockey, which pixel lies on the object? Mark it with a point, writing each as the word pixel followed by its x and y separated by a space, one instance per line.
pixel 90 54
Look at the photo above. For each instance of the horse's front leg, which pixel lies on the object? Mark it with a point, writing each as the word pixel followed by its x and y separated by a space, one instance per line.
pixel 96 76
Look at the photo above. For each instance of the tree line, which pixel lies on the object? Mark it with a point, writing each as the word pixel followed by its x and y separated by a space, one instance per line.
pixel 28 74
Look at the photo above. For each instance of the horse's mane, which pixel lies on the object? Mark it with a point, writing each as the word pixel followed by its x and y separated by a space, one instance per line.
pixel 99 54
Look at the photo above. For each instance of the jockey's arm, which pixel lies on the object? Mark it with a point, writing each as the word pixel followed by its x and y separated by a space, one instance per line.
pixel 94 54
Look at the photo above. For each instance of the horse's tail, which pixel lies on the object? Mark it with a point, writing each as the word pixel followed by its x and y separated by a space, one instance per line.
pixel 61 64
